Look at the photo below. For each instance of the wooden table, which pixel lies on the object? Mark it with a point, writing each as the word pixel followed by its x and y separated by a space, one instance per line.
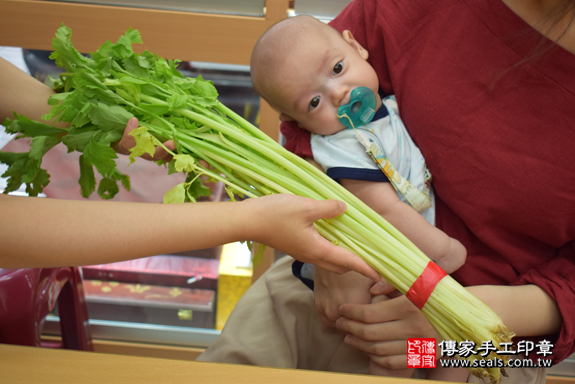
pixel 42 365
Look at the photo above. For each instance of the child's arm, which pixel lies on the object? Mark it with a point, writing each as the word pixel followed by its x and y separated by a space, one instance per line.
pixel 380 196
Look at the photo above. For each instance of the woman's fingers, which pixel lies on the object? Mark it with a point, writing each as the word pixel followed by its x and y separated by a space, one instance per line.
pixel 382 331
pixel 331 257
pixel 378 312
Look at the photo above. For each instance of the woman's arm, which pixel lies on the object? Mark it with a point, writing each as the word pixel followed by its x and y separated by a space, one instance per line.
pixel 23 94
pixel 43 232
pixel 526 310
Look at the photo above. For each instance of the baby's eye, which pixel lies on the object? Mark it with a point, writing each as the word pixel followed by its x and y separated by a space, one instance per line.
pixel 314 103
pixel 338 68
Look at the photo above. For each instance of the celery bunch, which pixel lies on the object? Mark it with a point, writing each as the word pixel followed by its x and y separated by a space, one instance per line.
pixel 98 95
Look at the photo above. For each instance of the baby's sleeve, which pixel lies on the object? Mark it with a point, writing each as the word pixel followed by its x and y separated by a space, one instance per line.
pixel 343 157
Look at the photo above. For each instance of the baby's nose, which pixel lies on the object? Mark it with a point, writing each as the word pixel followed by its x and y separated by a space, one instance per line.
pixel 339 95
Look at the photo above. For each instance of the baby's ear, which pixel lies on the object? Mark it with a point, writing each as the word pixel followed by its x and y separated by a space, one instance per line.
pixel 284 117
pixel 347 36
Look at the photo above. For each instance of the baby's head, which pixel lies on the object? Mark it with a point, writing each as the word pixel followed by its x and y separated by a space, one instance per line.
pixel 306 70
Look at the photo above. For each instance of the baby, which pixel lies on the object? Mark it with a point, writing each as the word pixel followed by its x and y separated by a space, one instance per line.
pixel 306 71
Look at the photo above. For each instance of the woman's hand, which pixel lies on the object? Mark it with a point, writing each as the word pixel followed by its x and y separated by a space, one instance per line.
pixel 127 142
pixel 285 223
pixel 332 290
pixel 381 329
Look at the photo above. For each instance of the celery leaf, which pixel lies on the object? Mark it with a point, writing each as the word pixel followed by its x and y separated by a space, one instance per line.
pixel 176 195
pixel 101 156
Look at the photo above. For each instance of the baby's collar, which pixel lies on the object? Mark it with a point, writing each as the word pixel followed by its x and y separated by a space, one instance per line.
pixel 382 111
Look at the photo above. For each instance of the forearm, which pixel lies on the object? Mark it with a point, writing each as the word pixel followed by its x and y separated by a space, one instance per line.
pixel 429 239
pixel 43 232
pixel 526 310
pixel 22 93
pixel 383 199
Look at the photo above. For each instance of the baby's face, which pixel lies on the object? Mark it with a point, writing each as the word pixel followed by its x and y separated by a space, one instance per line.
pixel 317 77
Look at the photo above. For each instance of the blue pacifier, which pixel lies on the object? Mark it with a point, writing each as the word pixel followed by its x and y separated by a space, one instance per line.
pixel 359 110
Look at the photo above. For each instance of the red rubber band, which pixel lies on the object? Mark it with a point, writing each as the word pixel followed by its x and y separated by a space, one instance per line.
pixel 425 284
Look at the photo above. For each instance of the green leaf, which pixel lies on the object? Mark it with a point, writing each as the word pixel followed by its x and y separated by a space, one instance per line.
pixel 82 117
pixel 176 195
pixel 55 111
pixel 204 89
pixel 185 83
pixel 31 128
pixel 68 110
pixel 134 91
pixel 56 98
pixel 39 146
pixel 109 117
pixel 105 66
pixel 230 193
pixel 123 47
pixel 196 188
pixel 64 53
pixel 124 95
pixel 31 170
pixel 104 52
pixel 87 179
pixel 110 137
pixel 163 70
pixel 41 180
pixel 10 158
pixel 144 144
pixel 123 178
pixel 144 62
pixel 172 167
pixel 16 169
pixel 204 102
pixel 174 67
pixel 183 163
pixel 101 156
pixel 177 101
pixel 108 188
pixel 132 65
pixel 78 138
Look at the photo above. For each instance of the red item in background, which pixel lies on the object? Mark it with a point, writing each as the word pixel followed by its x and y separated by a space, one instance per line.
pixel 28 295
pixel 297 139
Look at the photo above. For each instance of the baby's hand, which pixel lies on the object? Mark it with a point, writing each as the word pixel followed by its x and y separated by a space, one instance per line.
pixel 333 290
pixel 454 258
